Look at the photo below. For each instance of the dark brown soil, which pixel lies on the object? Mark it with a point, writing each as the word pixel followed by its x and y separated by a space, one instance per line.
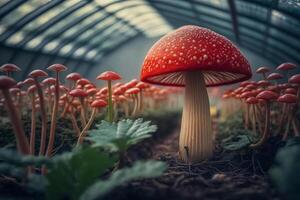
pixel 228 175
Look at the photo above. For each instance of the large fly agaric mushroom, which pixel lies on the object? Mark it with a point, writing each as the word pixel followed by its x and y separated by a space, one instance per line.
pixel 109 76
pixel 22 143
pixel 195 57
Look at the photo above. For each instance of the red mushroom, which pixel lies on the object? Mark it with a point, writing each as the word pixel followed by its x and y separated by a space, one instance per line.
pixel 263 71
pixel 286 67
pixel 195 57
pixel 253 101
pixel 31 92
pixel 8 69
pixel 81 94
pixel 109 76
pixel 267 96
pixel 290 100
pixel 134 92
pixel 57 68
pixel 96 105
pixel 35 74
pixel 22 143
pixel 73 77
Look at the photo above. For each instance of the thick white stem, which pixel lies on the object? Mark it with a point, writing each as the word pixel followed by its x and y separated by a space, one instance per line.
pixel 195 142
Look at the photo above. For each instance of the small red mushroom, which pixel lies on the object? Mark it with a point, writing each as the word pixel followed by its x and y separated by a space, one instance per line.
pixel 267 96
pixel 35 74
pixel 109 76
pixel 286 67
pixel 195 57
pixel 81 94
pixel 134 92
pixel 263 71
pixel 96 105
pixel 8 69
pixel 22 143
pixel 253 101
pixel 57 68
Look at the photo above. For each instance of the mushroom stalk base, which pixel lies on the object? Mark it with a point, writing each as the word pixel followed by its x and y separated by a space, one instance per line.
pixel 195 142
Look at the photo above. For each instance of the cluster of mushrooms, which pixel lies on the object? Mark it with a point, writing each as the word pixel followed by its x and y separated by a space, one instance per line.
pixel 78 100
pixel 270 101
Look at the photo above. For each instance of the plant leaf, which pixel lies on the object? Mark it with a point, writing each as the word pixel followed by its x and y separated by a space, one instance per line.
pixel 148 169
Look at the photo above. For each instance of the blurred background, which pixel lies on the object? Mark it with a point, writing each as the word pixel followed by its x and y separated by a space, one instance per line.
pixel 91 36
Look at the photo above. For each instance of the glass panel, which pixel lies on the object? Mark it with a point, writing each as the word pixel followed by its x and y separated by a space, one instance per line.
pixel 91 54
pixel 283 47
pixel 251 32
pixel 285 37
pixel 22 11
pixel 216 21
pixel 66 49
pixel 251 40
pixel 174 10
pixel 2 2
pixel 15 39
pixel 35 42
pixel 291 6
pixel 213 12
pixel 179 3
pixel 251 9
pixel 284 21
pixel 251 23
pixel 216 3
pixel 79 52
pixel 51 45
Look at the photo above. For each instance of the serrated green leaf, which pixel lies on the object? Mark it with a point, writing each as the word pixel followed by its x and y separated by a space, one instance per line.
pixel 148 169
pixel 72 175
pixel 122 134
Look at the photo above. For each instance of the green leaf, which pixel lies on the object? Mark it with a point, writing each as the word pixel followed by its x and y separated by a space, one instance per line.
pixel 236 142
pixel 285 172
pixel 73 173
pixel 122 134
pixel 148 169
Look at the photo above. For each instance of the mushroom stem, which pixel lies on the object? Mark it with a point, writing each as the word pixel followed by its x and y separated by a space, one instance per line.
pixel 110 105
pixel 196 128
pixel 254 120
pixel 53 118
pixel 136 105
pixel 283 116
pixel 296 128
pixel 21 138
pixel 32 134
pixel 82 112
pixel 266 133
pixel 74 122
pixel 44 117
pixel 88 125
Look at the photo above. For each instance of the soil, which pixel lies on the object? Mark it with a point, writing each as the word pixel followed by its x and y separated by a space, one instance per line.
pixel 227 175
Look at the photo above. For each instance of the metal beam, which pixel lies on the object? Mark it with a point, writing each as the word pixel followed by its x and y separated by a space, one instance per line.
pixel 234 19
pixel 10 6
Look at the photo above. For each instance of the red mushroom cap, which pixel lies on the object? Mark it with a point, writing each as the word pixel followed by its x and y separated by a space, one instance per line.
pixel 49 81
pixel 78 93
pixel 109 76
pixel 252 100
pixel 286 66
pixel 31 89
pixel 264 83
pixel 267 95
pixel 28 81
pixel 38 73
pixel 73 76
pixel 9 68
pixel 246 94
pixel 262 70
pixel 141 85
pixel 92 91
pixel 83 81
pixel 290 91
pixel 118 91
pixel 132 91
pixel 288 98
pixel 6 82
pixel 98 103
pixel 274 76
pixel 295 79
pixel 57 68
pixel 191 48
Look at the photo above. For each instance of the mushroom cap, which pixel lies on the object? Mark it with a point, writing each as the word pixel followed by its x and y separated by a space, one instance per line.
pixel 262 70
pixel 49 81
pixel 98 103
pixel 286 66
pixel 132 91
pixel 288 98
pixel 290 91
pixel 37 73
pixel 264 83
pixel 295 79
pixel 9 68
pixel 83 81
pixel 28 81
pixel 78 93
pixel 31 89
pixel 274 76
pixel 267 95
pixel 252 100
pixel 246 94
pixel 192 48
pixel 73 76
pixel 92 91
pixel 57 68
pixel 118 91
pixel 109 76
pixel 142 85
pixel 6 82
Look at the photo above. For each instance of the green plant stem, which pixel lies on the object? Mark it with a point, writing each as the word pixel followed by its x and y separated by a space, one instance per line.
pixel 110 105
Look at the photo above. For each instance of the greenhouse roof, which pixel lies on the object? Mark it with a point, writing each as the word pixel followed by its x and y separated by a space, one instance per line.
pixel 85 30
